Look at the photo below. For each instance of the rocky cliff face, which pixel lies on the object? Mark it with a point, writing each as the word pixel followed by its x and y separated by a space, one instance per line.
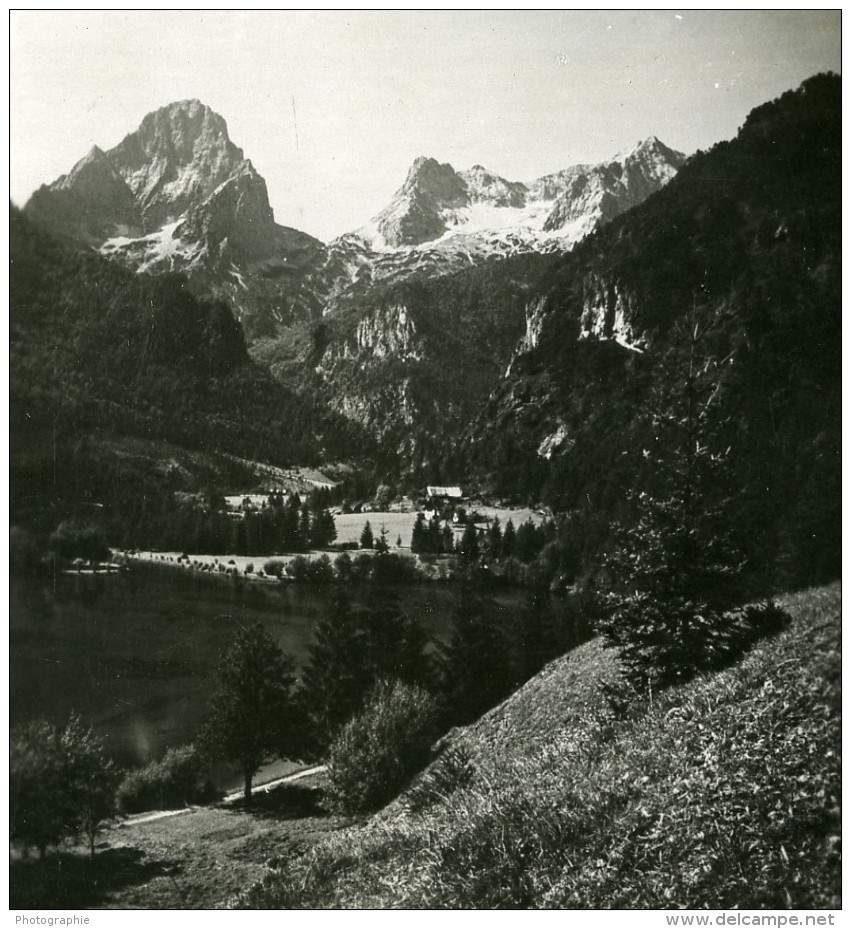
pixel 414 214
pixel 609 311
pixel 176 158
pixel 91 203
pixel 178 195
pixel 436 204
pixel 535 315
pixel 743 276
pixel 595 194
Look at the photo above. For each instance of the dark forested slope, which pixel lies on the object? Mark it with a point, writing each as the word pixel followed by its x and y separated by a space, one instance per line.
pixel 97 349
pixel 734 267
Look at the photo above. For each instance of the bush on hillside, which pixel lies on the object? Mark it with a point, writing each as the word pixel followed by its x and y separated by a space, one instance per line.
pixel 72 541
pixel 181 776
pixel 318 571
pixel 378 751
pixel 64 785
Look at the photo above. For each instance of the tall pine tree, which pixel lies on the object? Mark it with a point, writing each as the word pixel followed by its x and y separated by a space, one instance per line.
pixel 674 567
pixel 475 666
pixel 337 673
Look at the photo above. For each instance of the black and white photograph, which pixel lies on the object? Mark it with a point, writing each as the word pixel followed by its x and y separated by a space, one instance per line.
pixel 425 462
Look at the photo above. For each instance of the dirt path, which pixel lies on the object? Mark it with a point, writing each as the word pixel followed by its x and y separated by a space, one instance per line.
pixel 198 858
pixel 231 797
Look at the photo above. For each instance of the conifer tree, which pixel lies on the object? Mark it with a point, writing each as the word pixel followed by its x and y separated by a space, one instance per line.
pixel 494 537
pixel 381 546
pixel 367 540
pixel 323 531
pixel 447 539
pixel 526 546
pixel 304 527
pixel 289 528
pixel 395 642
pixel 251 713
pixel 475 667
pixel 674 568
pixel 434 535
pixel 337 673
pixel 509 540
pixel 418 535
pixel 469 547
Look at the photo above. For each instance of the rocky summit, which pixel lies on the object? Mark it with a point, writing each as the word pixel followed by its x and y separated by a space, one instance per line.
pixel 178 195
pixel 436 204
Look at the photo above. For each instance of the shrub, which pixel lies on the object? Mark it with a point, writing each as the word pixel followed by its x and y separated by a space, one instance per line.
pixel 63 784
pixel 361 568
pixel 750 624
pixel 394 569
pixel 343 568
pixel 273 568
pixel 514 571
pixel 72 541
pixel 181 776
pixel 321 571
pixel 378 751
pixel 317 571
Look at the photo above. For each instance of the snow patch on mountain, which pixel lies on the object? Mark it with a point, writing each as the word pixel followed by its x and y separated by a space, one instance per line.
pixel 159 250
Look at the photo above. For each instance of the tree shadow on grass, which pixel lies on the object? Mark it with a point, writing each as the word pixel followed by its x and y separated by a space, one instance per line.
pixel 287 801
pixel 66 879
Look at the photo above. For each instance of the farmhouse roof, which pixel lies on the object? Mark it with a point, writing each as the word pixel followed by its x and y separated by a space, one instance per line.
pixel 451 492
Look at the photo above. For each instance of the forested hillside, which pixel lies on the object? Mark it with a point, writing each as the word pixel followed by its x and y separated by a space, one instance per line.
pixel 97 351
pixel 733 269
pixel 413 362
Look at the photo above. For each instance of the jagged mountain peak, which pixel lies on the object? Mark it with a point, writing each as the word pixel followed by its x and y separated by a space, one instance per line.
pixel 183 123
pixel 93 165
pixel 176 194
pixel 437 203
pixel 652 147
pixel 429 177
pixel 179 154
pixel 486 186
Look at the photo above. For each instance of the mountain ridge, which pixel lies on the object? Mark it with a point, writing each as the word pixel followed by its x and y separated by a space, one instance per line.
pixel 430 203
pixel 177 194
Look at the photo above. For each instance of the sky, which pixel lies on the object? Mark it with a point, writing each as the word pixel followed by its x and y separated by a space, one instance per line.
pixel 332 107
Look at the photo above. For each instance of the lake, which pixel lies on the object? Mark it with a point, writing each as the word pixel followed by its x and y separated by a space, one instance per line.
pixel 135 653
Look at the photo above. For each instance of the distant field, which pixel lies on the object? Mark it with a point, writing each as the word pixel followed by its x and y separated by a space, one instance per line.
pixel 349 529
pixel 350 525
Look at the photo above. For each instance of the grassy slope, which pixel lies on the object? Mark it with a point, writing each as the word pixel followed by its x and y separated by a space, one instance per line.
pixel 201 859
pixel 724 793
